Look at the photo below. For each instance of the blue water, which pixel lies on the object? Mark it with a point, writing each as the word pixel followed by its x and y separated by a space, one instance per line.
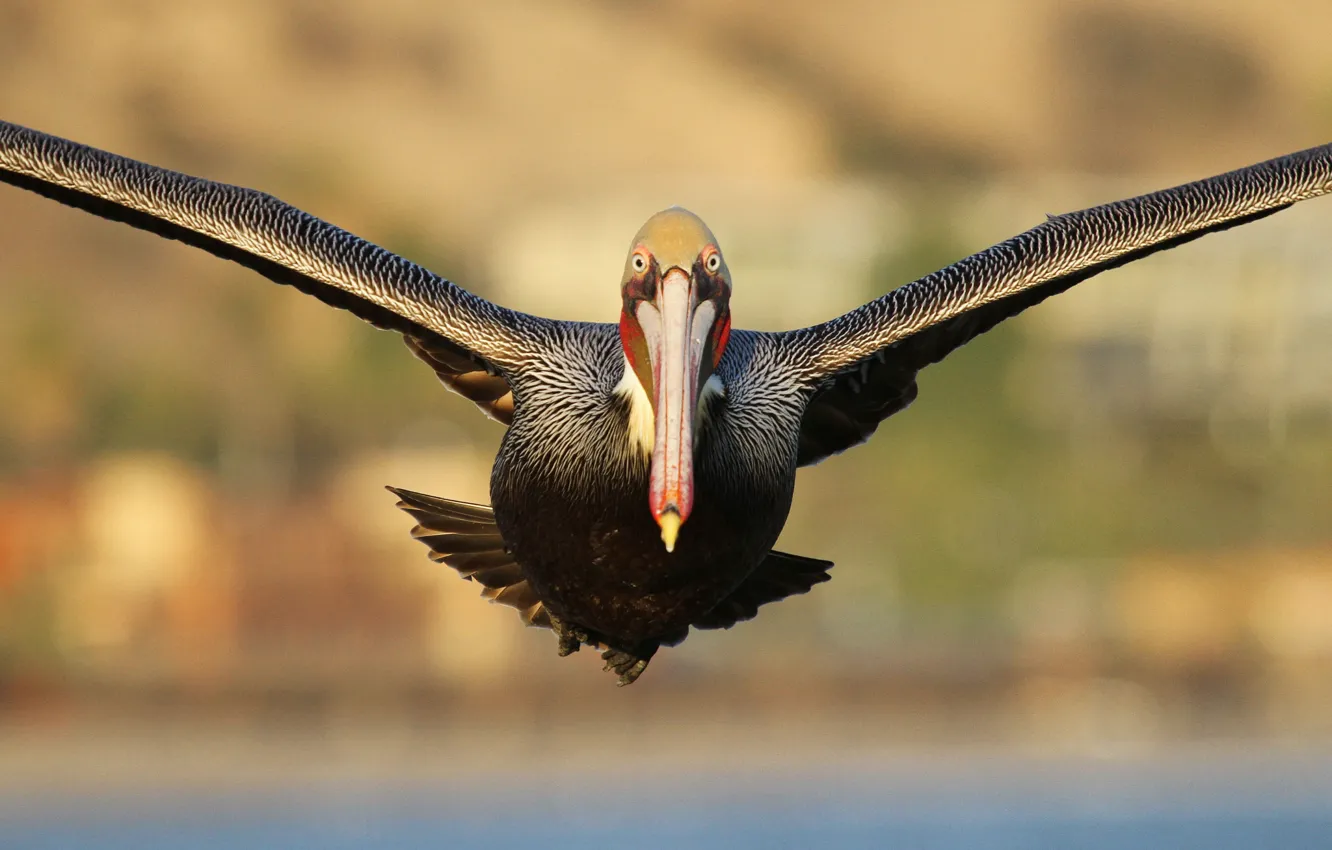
pixel 740 829
pixel 984 805
pixel 674 828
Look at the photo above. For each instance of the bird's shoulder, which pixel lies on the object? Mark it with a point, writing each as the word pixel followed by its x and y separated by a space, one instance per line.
pixel 761 384
pixel 573 364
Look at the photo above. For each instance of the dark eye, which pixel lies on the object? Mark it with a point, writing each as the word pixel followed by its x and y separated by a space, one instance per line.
pixel 639 263
pixel 713 262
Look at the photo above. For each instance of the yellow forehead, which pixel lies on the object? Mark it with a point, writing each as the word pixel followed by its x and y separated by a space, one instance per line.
pixel 675 237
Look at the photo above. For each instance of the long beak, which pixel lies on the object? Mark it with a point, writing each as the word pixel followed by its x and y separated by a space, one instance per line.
pixel 676 336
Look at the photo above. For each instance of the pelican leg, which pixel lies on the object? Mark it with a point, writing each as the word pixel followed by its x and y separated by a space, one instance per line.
pixel 571 638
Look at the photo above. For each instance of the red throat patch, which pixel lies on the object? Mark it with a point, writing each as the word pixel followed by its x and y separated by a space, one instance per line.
pixel 721 334
pixel 635 349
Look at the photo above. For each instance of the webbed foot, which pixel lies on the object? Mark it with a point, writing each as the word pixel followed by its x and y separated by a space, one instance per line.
pixel 627 665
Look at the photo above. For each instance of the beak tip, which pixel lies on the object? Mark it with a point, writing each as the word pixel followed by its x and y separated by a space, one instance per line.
pixel 670 528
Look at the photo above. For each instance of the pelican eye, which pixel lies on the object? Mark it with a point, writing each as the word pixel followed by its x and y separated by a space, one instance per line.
pixel 713 262
pixel 639 263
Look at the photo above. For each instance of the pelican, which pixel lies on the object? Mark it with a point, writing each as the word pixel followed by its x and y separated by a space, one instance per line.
pixel 649 463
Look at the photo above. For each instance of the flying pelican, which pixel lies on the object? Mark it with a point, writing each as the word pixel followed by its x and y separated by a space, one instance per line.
pixel 648 464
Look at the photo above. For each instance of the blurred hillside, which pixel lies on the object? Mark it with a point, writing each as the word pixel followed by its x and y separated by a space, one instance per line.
pixel 1109 514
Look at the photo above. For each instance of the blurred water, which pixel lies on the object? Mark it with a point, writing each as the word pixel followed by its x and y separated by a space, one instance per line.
pixel 741 829
pixel 976 804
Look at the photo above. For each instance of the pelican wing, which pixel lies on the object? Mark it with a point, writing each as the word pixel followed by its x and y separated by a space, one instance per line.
pixel 777 576
pixel 467 340
pixel 862 365
pixel 465 537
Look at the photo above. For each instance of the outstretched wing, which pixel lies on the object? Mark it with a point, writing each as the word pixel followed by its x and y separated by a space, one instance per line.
pixel 467 340
pixel 862 365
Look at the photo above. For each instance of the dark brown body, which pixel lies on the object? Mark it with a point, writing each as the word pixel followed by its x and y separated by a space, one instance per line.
pixel 574 513
pixel 598 561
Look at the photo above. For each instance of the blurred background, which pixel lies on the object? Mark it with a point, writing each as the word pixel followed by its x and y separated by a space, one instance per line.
pixel 1092 563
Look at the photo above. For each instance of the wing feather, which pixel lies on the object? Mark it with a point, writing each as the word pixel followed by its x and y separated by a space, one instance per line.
pixel 465 537
pixel 862 365
pixel 467 340
pixel 778 576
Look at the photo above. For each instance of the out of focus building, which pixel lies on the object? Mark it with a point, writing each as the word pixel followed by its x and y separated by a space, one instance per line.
pixel 799 250
pixel 149 593
pixel 1234 331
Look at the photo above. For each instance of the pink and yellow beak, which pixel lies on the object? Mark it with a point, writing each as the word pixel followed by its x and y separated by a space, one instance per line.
pixel 676 329
pixel 676 294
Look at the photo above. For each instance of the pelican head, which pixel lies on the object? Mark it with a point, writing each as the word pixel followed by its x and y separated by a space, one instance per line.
pixel 676 320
